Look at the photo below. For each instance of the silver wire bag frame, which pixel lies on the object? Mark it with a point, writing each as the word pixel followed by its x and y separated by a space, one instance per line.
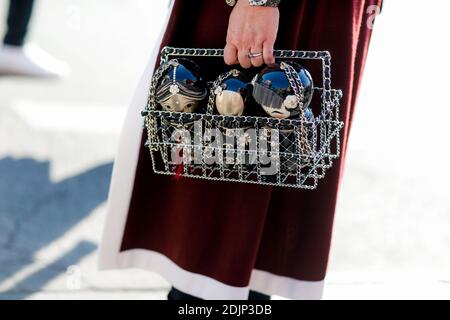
pixel 278 152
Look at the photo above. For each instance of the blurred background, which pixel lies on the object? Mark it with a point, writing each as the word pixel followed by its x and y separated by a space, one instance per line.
pixel 58 139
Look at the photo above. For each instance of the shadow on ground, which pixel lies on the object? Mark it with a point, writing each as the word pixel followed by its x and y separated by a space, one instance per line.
pixel 34 212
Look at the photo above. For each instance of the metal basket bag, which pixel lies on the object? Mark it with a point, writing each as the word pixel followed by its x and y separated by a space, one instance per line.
pixel 267 151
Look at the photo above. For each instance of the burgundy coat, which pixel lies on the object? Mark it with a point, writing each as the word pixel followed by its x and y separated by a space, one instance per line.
pixel 220 239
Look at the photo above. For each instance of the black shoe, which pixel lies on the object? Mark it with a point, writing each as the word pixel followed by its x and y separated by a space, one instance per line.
pixel 254 295
pixel 175 294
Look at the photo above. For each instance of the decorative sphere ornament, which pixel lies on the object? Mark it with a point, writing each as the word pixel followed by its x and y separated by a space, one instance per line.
pixel 309 114
pixel 231 93
pixel 274 89
pixel 181 88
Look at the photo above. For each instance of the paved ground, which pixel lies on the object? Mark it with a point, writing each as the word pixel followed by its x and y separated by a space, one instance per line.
pixel 391 236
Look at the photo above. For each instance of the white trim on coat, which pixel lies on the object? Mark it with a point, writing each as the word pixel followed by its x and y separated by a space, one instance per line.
pixel 269 283
pixel 120 190
pixel 125 163
pixel 194 284
pixel 206 287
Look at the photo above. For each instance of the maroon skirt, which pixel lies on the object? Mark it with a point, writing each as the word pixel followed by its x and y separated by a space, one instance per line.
pixel 220 239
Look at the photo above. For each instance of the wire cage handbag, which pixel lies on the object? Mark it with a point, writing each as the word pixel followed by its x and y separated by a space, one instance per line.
pixel 247 148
